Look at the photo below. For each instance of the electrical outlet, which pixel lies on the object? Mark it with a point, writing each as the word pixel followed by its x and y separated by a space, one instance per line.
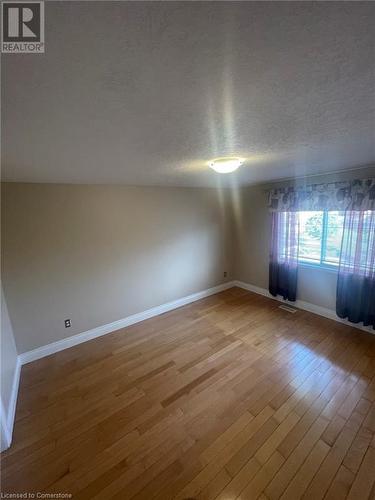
pixel 68 323
pixel 225 274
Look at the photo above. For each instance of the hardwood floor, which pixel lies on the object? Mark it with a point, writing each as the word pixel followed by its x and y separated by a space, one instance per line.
pixel 229 397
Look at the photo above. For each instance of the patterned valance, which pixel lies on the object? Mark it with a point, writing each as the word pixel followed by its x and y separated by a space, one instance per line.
pixel 348 195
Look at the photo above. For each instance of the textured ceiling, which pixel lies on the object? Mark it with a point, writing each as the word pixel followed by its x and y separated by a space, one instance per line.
pixel 147 92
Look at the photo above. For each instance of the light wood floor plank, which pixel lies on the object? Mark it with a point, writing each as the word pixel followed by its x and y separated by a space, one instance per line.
pixel 228 397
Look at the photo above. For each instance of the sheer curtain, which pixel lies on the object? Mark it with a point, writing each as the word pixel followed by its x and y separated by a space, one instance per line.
pixel 355 298
pixel 284 254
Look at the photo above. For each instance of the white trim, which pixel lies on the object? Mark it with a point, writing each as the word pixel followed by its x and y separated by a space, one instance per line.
pixel 5 437
pixel 41 352
pixel 46 350
pixel 13 397
pixel 301 304
pixel 7 420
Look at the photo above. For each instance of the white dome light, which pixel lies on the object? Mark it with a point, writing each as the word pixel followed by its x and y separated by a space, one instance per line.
pixel 225 165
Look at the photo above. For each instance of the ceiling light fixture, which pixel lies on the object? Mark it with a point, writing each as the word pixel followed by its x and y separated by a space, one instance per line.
pixel 225 165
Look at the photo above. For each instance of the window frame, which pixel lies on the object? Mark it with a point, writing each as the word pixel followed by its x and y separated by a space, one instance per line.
pixel 323 250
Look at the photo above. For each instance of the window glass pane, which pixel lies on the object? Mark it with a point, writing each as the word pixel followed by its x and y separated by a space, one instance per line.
pixel 335 222
pixel 368 241
pixel 311 232
pixel 282 236
pixel 287 236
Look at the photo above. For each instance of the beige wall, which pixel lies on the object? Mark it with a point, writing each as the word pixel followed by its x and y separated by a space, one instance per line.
pixel 97 254
pixel 252 237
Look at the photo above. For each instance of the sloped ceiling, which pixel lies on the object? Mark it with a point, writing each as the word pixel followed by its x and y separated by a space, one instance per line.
pixel 148 92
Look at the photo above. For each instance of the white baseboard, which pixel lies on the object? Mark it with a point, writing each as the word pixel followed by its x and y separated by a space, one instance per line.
pixel 7 421
pixel 41 352
pixel 306 306
pixel 7 418
pixel 5 437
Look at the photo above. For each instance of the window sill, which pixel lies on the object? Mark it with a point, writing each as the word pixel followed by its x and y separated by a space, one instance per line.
pixel 319 267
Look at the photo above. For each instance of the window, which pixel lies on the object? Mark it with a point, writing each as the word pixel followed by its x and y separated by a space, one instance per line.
pixel 359 242
pixel 320 237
